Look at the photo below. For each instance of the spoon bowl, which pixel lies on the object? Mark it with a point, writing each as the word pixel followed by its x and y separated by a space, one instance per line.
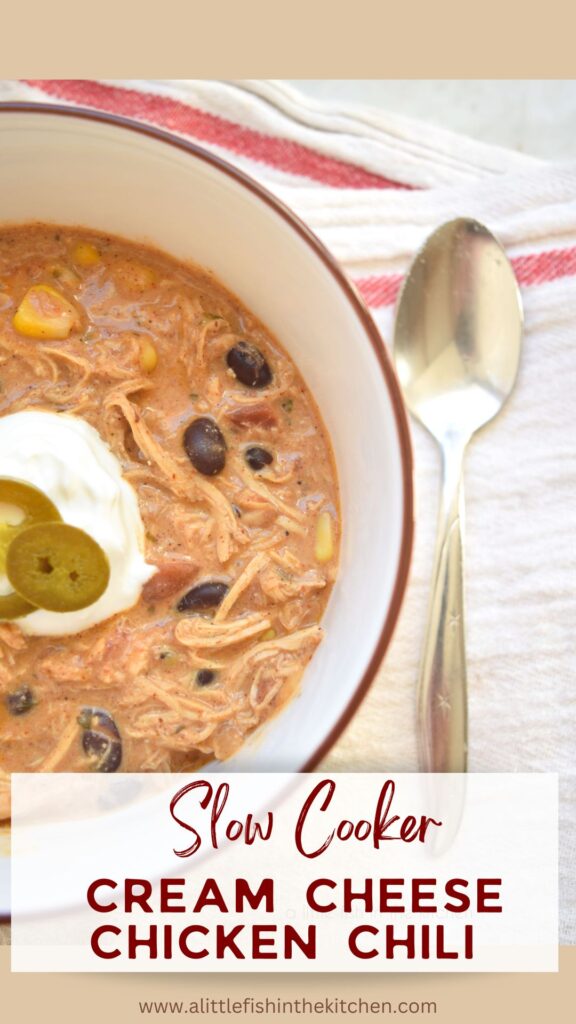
pixel 457 345
pixel 458 330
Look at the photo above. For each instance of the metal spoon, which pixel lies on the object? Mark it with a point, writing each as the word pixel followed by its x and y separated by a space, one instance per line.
pixel 457 344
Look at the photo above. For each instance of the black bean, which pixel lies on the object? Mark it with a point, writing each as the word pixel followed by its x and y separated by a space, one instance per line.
pixel 204 677
pixel 257 457
pixel 20 701
pixel 205 595
pixel 249 365
pixel 91 718
pixel 101 740
pixel 205 446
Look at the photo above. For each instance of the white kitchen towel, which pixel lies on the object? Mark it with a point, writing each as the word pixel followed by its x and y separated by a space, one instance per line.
pixel 373 186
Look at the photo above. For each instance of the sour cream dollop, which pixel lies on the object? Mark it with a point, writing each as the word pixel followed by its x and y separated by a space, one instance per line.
pixel 68 460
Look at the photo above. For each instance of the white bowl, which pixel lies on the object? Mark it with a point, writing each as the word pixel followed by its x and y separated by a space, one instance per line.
pixel 77 167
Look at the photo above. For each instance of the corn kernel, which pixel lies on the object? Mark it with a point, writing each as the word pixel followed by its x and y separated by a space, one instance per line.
pixel 148 356
pixel 324 546
pixel 45 313
pixel 85 254
pixel 270 634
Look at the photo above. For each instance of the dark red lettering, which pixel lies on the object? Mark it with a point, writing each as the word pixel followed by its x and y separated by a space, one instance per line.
pixel 330 786
pixel 105 929
pixel 102 908
pixel 419 894
pixel 171 896
pixel 483 895
pixel 320 908
pixel 366 954
pixel 264 893
pixel 453 886
pixel 193 929
pixel 204 801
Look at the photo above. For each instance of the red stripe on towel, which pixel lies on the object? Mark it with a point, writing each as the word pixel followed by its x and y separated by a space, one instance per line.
pixel 174 115
pixel 533 269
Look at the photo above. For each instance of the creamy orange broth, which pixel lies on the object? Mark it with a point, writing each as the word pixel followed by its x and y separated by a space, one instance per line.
pixel 149 356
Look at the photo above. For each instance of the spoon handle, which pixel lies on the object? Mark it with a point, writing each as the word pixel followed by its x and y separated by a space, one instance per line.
pixel 442 699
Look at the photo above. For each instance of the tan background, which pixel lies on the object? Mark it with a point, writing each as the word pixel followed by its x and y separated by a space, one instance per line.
pixel 469 998
pixel 280 39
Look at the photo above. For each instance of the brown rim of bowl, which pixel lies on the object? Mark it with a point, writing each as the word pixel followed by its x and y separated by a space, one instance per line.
pixel 374 338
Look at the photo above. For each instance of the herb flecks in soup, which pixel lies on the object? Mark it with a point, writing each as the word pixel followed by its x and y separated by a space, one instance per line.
pixel 218 446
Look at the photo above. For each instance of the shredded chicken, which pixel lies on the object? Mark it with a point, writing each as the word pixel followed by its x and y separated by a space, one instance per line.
pixel 212 336
pixel 271 669
pixel 176 720
pixel 77 362
pixel 57 755
pixel 292 614
pixel 283 581
pixel 11 638
pixel 198 632
pixel 259 488
pixel 194 487
pixel 243 581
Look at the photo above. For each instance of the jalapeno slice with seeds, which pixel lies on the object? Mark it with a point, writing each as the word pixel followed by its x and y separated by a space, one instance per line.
pixel 57 567
pixel 21 505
